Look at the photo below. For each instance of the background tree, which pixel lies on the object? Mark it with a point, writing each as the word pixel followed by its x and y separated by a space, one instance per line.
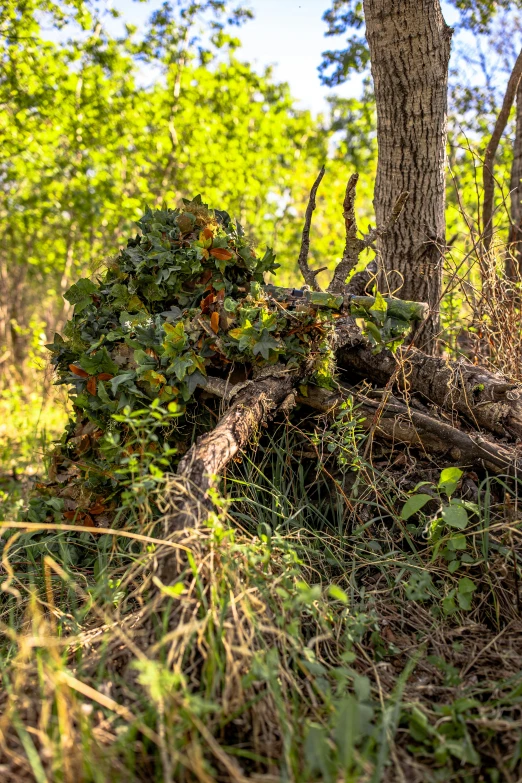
pixel 409 46
pixel 514 261
pixel 486 50
pixel 86 146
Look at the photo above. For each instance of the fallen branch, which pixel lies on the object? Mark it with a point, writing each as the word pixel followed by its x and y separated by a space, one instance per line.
pixel 393 421
pixel 486 400
pixel 402 424
pixel 198 472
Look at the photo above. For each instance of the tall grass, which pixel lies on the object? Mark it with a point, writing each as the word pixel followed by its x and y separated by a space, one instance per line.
pixel 304 636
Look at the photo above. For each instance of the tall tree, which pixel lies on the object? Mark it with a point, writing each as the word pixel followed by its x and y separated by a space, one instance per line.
pixel 514 261
pixel 407 44
pixel 409 52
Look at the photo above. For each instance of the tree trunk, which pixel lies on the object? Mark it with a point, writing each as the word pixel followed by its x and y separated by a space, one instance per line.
pixel 409 49
pixel 514 260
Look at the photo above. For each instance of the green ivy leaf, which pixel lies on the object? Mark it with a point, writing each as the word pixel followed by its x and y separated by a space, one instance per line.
pixel 457 542
pixel 379 309
pixel 230 305
pixel 414 504
pixel 265 344
pixel 120 295
pixel 180 367
pixel 449 479
pixel 176 339
pixel 80 294
pixel 455 516
pixel 465 592
pixel 98 362
pixel 123 378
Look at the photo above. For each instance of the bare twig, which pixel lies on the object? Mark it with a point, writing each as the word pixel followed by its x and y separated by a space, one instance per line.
pixel 308 274
pixel 377 232
pixel 353 245
pixel 491 149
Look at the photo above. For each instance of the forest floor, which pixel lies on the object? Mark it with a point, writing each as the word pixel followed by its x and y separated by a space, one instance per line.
pixel 315 631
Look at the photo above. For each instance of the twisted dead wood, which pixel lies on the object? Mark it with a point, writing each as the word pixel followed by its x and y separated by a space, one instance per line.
pixel 189 497
pixel 401 424
pixel 486 400
pixel 308 274
pixel 393 421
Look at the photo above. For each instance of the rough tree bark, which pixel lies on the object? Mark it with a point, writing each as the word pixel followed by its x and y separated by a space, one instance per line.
pixel 514 260
pixel 409 50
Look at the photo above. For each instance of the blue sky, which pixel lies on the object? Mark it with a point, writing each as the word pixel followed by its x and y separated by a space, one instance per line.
pixel 287 34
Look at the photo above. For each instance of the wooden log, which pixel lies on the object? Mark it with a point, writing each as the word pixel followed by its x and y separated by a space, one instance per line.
pixel 487 400
pixel 396 422
pixel 393 421
pixel 189 496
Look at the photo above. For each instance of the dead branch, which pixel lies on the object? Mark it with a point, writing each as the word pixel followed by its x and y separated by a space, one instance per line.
pixel 308 274
pixel 485 399
pixel 401 424
pixel 189 497
pixel 491 150
pixel 353 245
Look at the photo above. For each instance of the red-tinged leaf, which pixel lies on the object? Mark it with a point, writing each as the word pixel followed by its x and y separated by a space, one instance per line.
pixel 91 385
pixel 104 376
pixel 220 296
pixel 214 322
pixel 97 508
pixel 78 371
pixel 205 277
pixel 207 233
pixel 221 253
pixel 206 302
pixel 72 514
pixel 88 521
